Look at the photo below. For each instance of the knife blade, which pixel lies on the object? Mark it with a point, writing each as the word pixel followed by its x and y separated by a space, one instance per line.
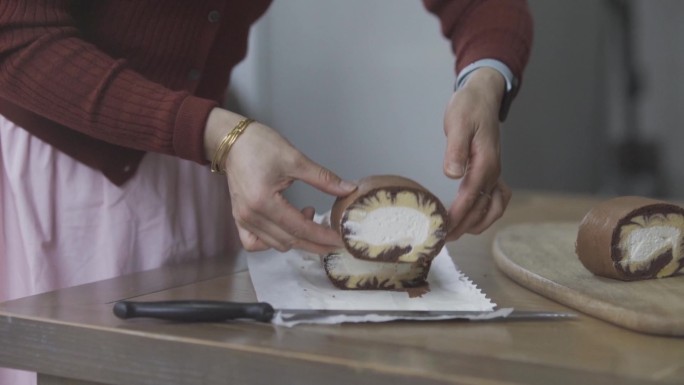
pixel 219 311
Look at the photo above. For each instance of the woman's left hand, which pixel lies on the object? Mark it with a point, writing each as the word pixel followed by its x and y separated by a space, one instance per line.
pixel 471 125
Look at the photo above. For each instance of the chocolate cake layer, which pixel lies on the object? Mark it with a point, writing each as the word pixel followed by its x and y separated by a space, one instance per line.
pixel 350 273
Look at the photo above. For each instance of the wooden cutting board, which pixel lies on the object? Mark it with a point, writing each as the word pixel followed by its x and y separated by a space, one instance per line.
pixel 541 257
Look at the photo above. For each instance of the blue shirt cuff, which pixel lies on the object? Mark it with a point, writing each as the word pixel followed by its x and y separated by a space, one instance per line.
pixel 510 79
pixel 502 68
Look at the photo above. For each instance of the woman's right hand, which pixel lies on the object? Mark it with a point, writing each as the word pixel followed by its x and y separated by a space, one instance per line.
pixel 259 167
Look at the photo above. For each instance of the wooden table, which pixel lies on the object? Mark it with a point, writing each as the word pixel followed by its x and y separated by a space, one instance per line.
pixel 71 336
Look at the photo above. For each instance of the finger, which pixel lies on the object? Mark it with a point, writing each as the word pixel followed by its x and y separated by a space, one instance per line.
pixel 501 196
pixel 285 241
pixel 299 227
pixel 308 213
pixel 482 175
pixel 283 227
pixel 314 248
pixel 465 200
pixel 506 192
pixel 322 178
pixel 470 201
pixel 494 212
pixel 262 228
pixel 251 242
pixel 274 234
pixel 458 148
pixel 268 235
pixel 477 212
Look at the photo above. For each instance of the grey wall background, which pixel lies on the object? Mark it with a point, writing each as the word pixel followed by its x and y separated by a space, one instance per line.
pixel 660 41
pixel 364 93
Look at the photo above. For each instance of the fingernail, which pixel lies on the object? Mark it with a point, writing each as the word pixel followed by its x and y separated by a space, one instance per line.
pixel 349 186
pixel 455 170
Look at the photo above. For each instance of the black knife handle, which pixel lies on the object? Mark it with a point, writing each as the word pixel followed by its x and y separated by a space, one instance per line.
pixel 195 310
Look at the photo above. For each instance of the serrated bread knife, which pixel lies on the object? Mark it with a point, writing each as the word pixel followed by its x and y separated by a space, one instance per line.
pixel 219 311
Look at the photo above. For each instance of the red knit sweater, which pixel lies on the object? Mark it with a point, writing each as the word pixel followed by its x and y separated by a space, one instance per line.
pixel 105 81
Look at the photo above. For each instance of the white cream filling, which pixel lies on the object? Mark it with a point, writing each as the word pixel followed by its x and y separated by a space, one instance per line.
pixel 389 226
pixel 646 243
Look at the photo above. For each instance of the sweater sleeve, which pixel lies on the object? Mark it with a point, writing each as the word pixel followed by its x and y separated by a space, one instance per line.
pixel 47 68
pixel 486 29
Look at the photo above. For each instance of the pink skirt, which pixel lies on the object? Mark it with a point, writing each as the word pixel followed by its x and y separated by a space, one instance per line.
pixel 64 224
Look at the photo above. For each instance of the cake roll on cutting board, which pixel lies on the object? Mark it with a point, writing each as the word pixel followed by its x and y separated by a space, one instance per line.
pixel 632 238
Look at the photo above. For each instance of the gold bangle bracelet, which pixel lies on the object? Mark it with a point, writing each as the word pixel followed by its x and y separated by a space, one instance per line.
pixel 225 145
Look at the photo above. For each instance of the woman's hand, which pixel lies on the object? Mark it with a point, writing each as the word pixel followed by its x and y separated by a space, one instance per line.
pixel 259 167
pixel 471 126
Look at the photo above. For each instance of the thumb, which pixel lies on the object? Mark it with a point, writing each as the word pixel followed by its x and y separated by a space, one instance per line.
pixel 456 159
pixel 456 155
pixel 323 179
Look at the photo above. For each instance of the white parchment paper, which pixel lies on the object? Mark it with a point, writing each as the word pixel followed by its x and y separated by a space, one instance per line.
pixel 293 280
